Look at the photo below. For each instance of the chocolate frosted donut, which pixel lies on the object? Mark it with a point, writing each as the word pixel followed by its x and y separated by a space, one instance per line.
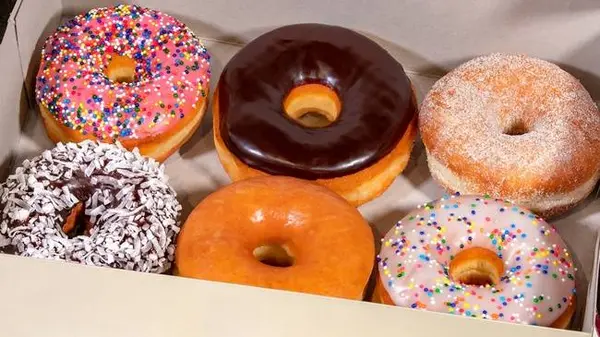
pixel 372 94
pixel 91 203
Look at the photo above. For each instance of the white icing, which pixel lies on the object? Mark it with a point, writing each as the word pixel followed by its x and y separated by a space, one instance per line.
pixel 538 282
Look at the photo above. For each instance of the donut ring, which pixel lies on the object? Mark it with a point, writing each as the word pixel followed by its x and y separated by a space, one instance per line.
pixel 515 127
pixel 281 233
pixel 91 203
pixel 478 257
pixel 265 95
pixel 124 73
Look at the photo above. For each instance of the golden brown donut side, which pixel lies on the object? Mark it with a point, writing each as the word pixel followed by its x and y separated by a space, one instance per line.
pixel 332 244
pixel 357 188
pixel 159 147
pixel 546 214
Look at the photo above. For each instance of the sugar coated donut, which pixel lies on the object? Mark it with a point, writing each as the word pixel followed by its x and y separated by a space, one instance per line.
pixel 316 102
pixel 281 233
pixel 478 257
pixel 91 203
pixel 123 73
pixel 515 127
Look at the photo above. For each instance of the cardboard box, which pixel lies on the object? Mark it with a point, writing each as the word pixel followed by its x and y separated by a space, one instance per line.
pixel 48 298
pixel 591 310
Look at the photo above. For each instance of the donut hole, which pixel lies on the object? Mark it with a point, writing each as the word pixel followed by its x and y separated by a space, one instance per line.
pixel 314 119
pixel 476 266
pixel 516 128
pixel 312 105
pixel 121 69
pixel 274 255
pixel 76 222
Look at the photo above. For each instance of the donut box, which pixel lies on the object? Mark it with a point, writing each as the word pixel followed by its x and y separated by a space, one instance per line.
pixel 428 38
pixel 592 320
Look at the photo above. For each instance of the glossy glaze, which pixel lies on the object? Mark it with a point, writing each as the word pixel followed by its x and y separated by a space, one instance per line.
pixel 330 241
pixel 374 90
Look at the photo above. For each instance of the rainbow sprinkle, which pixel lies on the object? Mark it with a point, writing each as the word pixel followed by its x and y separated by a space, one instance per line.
pixel 172 73
pixel 538 283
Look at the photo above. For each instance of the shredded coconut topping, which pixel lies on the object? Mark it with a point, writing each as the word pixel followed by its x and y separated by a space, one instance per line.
pixel 132 211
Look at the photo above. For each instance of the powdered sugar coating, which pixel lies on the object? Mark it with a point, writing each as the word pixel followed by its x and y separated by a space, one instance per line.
pixel 172 73
pixel 133 211
pixel 467 117
pixel 538 283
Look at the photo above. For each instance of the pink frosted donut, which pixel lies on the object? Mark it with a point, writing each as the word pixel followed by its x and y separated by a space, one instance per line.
pixel 123 73
pixel 478 257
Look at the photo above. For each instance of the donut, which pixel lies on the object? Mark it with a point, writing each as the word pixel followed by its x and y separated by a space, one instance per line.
pixel 514 127
pixel 127 74
pixel 316 102
pixel 281 233
pixel 91 203
pixel 478 256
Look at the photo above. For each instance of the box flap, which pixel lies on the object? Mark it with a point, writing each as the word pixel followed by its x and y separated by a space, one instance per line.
pixel 591 308
pixel 34 22
pixel 12 98
pixel 119 303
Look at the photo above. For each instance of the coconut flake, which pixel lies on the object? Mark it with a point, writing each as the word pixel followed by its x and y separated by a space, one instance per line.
pixel 39 195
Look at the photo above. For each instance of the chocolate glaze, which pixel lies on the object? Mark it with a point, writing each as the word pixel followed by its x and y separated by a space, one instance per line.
pixel 375 92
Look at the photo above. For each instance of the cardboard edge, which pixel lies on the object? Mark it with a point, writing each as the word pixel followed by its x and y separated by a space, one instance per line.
pixel 13 22
pixel 15 10
pixel 10 52
pixel 592 298
pixel 202 308
pixel 38 24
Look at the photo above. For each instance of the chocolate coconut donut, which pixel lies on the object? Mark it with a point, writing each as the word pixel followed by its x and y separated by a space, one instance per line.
pixel 268 91
pixel 91 203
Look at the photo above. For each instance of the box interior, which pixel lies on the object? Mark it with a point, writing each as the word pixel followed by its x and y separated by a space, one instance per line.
pixel 428 38
pixel 592 303
pixel 12 96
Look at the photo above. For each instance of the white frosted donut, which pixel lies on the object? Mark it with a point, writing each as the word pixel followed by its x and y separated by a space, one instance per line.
pixel 126 215
pixel 514 127
pixel 478 257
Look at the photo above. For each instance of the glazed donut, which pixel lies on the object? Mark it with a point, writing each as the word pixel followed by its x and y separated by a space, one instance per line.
pixel 515 127
pixel 91 203
pixel 278 232
pixel 270 95
pixel 478 257
pixel 123 73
